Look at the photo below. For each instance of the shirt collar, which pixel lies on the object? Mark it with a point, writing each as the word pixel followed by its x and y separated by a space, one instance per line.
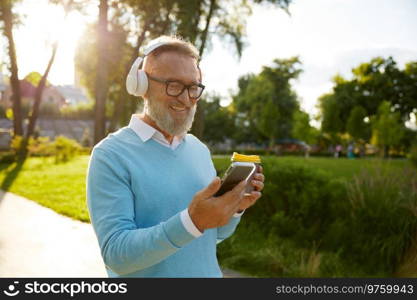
pixel 146 131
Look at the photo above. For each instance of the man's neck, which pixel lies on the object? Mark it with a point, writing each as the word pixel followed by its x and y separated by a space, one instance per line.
pixel 145 118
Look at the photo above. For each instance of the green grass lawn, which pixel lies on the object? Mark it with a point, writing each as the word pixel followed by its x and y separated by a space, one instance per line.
pixel 57 186
pixel 62 186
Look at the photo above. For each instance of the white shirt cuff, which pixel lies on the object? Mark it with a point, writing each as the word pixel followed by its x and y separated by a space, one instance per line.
pixel 188 224
pixel 237 215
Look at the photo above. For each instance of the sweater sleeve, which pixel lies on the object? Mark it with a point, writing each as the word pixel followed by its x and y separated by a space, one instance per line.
pixel 125 248
pixel 227 230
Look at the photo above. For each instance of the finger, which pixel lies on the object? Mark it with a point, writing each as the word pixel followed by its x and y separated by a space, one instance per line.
pixel 249 200
pixel 260 169
pixel 239 190
pixel 258 185
pixel 211 189
pixel 256 194
pixel 259 176
pixel 232 198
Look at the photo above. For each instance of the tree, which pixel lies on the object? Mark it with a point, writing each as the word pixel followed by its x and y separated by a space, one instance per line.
pixel 195 20
pixel 102 71
pixel 302 130
pixel 356 125
pixel 219 121
pixel 9 19
pixel 331 121
pixel 267 99
pixel 68 5
pixel 371 83
pixel 387 128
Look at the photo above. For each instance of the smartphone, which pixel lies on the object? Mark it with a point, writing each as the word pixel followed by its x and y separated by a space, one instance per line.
pixel 237 172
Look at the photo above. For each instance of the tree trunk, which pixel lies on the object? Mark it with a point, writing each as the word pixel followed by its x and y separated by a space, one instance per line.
pixel 38 95
pixel 120 103
pixel 102 72
pixel 198 125
pixel 6 7
pixel 42 83
pixel 204 34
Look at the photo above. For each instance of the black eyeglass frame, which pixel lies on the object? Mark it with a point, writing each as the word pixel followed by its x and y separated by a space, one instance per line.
pixel 185 86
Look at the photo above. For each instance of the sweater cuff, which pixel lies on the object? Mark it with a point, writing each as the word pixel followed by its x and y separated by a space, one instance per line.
pixel 189 224
pixel 176 231
pixel 237 215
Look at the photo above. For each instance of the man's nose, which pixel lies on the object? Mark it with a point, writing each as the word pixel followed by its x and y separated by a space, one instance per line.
pixel 185 99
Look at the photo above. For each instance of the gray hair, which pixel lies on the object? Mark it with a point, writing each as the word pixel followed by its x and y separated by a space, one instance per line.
pixel 176 44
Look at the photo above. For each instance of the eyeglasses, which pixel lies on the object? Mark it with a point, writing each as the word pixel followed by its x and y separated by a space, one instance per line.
pixel 175 88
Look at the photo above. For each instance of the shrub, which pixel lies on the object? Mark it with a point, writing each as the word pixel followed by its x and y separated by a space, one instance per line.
pixel 62 147
pixel 413 155
pixel 309 224
pixel 41 146
pixel 65 149
pixel 297 201
pixel 382 222
pixel 16 144
pixel 7 158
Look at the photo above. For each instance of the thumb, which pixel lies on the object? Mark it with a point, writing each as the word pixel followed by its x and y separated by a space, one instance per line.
pixel 212 188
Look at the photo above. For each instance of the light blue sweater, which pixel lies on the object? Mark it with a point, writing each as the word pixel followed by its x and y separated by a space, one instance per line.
pixel 135 193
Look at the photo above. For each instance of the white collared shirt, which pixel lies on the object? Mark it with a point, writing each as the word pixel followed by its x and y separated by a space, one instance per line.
pixel 146 132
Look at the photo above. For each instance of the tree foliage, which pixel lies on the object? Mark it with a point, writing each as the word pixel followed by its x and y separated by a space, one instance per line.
pixel 301 128
pixel 344 109
pixel 267 100
pixel 356 125
pixel 219 120
pixel 387 127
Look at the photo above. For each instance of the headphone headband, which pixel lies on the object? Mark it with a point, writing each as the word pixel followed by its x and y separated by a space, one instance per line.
pixel 137 81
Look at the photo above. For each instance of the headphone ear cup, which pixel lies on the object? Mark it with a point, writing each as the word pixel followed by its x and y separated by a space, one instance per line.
pixel 142 85
pixel 132 80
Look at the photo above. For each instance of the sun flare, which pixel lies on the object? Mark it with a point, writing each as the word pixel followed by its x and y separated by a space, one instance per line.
pixel 45 24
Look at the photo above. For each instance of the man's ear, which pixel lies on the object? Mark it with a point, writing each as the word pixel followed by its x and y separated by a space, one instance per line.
pixel 199 71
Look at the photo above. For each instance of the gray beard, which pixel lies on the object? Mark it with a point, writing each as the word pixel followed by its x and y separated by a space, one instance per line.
pixel 159 114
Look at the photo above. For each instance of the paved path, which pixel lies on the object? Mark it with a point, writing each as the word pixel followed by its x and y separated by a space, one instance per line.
pixel 35 241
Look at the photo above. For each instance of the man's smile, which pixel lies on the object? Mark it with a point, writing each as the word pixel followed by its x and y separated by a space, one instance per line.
pixel 178 108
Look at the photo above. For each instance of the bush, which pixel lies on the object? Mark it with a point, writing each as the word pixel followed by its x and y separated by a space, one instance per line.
pixel 382 222
pixel 307 223
pixel 62 147
pixel 413 155
pixel 298 196
pixel 261 152
pixel 41 146
pixel 65 149
pixel 7 158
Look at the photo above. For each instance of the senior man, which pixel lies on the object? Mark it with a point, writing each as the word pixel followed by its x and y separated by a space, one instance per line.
pixel 150 185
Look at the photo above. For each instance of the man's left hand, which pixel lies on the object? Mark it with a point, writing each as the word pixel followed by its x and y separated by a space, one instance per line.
pixel 258 185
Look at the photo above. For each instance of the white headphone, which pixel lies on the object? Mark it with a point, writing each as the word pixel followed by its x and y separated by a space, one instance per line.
pixel 137 81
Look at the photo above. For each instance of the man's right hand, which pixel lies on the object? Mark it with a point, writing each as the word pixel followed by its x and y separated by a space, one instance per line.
pixel 207 211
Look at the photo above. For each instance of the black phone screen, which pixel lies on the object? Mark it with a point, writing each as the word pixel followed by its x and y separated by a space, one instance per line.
pixel 233 176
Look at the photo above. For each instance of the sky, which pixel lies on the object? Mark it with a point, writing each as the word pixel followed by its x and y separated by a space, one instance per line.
pixel 329 36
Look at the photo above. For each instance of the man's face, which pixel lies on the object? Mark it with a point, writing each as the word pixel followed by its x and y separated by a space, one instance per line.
pixel 173 115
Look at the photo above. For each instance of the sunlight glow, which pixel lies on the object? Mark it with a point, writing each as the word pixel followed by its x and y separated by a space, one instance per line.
pixel 45 23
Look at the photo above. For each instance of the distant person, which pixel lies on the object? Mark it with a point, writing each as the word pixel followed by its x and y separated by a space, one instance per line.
pixel 350 153
pixel 150 185
pixel 338 151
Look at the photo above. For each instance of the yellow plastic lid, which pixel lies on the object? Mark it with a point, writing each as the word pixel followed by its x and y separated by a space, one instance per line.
pixel 245 158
